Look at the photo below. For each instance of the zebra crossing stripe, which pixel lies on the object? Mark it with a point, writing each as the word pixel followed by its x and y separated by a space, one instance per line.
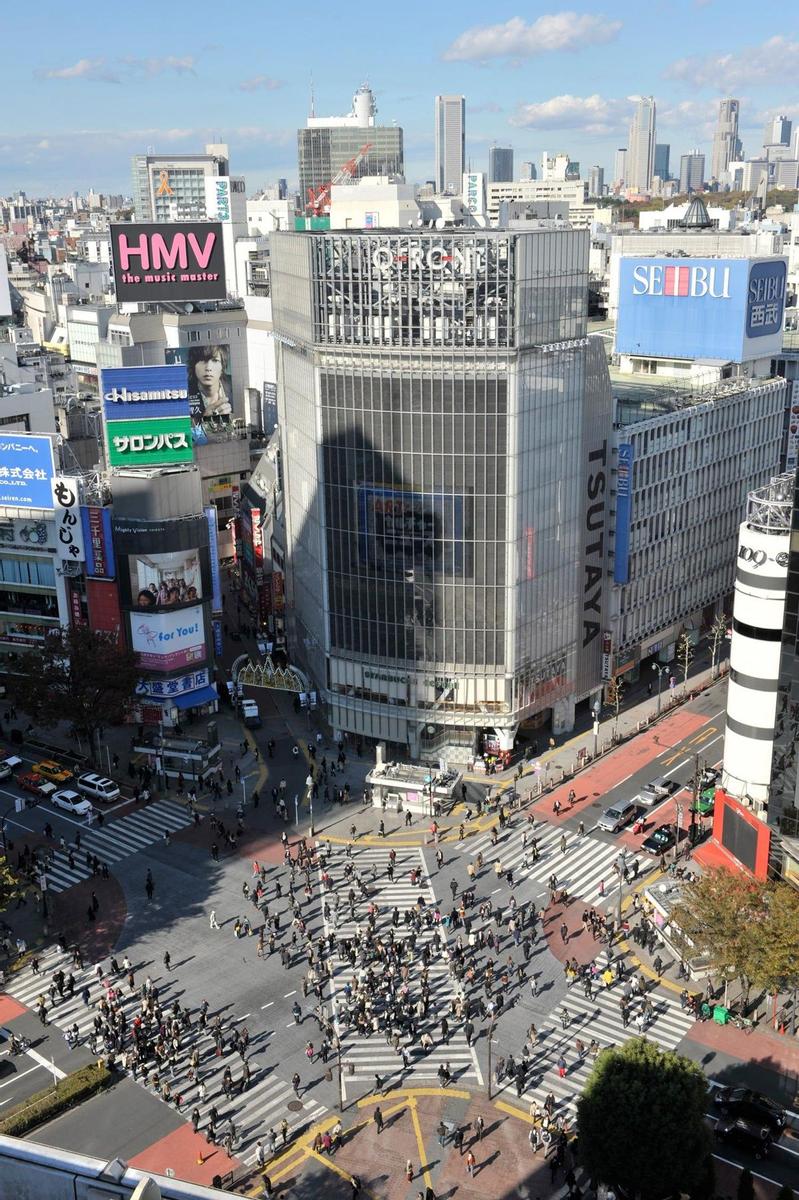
pixel 118 840
pixel 263 1102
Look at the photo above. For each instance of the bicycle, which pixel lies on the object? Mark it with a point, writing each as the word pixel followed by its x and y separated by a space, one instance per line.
pixel 744 1023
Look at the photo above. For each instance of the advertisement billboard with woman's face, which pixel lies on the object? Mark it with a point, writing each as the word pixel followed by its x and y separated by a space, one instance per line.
pixel 210 387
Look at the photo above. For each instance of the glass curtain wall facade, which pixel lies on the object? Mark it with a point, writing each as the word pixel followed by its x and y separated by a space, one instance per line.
pixel 322 152
pixel 445 425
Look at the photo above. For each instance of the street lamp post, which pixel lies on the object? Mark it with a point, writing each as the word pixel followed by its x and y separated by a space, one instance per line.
pixel 660 671
pixel 309 786
pixel 596 707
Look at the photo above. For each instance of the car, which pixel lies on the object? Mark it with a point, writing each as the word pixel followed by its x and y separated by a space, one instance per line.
pixel 9 765
pixel 743 1102
pixel 709 778
pixel 251 715
pixel 706 803
pixel 51 770
pixel 72 802
pixel 99 787
pixel 618 815
pixel 29 781
pixel 657 790
pixel 660 840
pixel 750 1135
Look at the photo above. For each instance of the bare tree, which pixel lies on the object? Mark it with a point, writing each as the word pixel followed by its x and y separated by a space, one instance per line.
pixel 685 653
pixel 718 631
pixel 615 694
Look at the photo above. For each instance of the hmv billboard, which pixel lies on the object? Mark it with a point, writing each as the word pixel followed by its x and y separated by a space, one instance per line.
pixel 168 261
pixel 728 309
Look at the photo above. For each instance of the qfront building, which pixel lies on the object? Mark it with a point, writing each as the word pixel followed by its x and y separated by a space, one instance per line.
pixel 446 468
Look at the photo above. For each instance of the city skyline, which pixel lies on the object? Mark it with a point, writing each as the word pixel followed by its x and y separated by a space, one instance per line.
pixel 551 80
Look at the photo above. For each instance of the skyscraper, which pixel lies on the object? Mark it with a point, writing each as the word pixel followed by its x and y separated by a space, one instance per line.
pixel 641 145
pixel 620 167
pixel 692 171
pixel 777 132
pixel 726 143
pixel 662 155
pixel 500 164
pixel 450 143
pixel 596 181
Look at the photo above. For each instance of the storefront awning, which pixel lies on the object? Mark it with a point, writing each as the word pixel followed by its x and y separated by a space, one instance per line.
pixel 193 699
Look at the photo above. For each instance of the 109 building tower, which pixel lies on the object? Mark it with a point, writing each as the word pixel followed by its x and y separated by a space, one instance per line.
pixel 447 478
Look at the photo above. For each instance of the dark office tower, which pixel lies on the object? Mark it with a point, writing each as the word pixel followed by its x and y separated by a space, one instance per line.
pixel 662 155
pixel 446 428
pixel 500 164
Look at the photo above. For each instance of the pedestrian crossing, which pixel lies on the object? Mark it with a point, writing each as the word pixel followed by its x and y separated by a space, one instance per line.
pixel 598 1019
pixel 261 1106
pixel 364 1057
pixel 115 841
pixel 582 864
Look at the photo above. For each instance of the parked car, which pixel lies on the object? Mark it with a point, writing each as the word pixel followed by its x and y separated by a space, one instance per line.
pixel 52 770
pixel 660 840
pixel 618 815
pixel 72 802
pixel 706 802
pixel 29 781
pixel 251 715
pixel 657 790
pixel 98 787
pixel 743 1102
pixel 750 1135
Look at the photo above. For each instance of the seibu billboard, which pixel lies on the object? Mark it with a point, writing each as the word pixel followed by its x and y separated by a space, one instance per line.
pixel 710 308
pixel 167 262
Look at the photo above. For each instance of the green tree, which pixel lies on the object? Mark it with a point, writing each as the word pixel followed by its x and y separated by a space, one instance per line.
pixel 785 1193
pixel 774 951
pixel 80 675
pixel 746 1185
pixel 641 1121
pixel 721 914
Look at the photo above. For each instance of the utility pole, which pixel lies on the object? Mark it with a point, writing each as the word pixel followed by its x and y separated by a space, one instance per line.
pixel 490 1040
pixel 698 769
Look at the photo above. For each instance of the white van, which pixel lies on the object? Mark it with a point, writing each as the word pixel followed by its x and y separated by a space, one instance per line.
pixel 98 787
pixel 251 715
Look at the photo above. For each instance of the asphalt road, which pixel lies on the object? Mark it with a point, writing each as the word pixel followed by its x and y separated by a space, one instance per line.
pixel 213 965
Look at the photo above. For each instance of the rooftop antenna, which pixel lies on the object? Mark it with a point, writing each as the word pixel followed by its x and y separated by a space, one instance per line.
pixel 313 106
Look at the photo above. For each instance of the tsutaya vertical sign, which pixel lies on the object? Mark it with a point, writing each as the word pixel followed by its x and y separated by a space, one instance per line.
pixel 594 543
pixel 69 529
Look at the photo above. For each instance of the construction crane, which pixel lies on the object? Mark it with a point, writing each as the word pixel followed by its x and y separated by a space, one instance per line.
pixel 319 198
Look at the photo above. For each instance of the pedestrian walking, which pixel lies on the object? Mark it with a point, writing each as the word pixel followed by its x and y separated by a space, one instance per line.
pixel 295 1083
pixel 471 1163
pixel 378 1120
pixel 167 960
pixel 563 843
pixel 561 1066
pixel 409 1170
pixel 212 921
pixel 149 886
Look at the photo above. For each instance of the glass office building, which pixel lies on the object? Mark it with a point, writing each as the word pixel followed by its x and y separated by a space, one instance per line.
pixel 323 151
pixel 445 437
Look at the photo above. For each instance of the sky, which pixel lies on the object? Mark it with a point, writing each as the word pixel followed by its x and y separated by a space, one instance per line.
pixel 83 93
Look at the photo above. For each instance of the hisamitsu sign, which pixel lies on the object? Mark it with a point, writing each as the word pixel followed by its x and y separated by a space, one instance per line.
pixel 729 309
pixel 164 261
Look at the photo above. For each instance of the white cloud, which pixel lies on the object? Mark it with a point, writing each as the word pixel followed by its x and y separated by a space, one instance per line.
pixel 94 69
pixel 753 65
pixel 100 70
pixel 593 114
pixel 260 83
pixel 160 66
pixel 518 40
